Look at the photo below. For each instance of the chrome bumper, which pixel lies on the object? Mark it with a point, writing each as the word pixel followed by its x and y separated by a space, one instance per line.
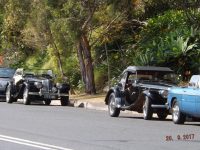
pixel 46 94
pixel 159 106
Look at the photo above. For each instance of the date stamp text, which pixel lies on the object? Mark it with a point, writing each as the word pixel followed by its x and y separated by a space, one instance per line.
pixel 183 137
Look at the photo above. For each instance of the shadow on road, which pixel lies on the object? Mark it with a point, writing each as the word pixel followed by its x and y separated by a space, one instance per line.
pixel 139 117
pixel 191 124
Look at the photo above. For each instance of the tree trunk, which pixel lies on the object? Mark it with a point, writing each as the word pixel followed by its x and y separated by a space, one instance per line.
pixel 57 53
pixel 86 66
pixel 81 62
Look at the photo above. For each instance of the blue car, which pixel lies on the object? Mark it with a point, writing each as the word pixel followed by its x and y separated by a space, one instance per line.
pixel 185 101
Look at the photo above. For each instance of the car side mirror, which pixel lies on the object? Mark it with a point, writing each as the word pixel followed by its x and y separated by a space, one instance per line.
pixel 119 85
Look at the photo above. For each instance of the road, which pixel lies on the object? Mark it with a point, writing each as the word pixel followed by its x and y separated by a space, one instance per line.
pixel 66 128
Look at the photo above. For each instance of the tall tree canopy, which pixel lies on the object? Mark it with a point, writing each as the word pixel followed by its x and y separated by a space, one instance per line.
pixel 91 41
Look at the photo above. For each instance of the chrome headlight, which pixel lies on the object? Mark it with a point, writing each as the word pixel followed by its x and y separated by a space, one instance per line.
pixel 59 85
pixel 163 93
pixel 54 89
pixel 38 85
pixel 1 86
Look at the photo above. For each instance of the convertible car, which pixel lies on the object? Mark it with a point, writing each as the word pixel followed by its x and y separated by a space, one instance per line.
pixel 31 85
pixel 185 101
pixel 143 89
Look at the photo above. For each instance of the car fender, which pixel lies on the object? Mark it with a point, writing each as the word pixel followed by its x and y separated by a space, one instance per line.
pixel 19 90
pixel 147 93
pixel 170 103
pixel 65 88
pixel 114 90
pixel 10 83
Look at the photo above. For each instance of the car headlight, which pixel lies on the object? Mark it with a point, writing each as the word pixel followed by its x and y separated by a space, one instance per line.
pixel 54 89
pixel 1 86
pixel 163 93
pixel 38 85
pixel 59 85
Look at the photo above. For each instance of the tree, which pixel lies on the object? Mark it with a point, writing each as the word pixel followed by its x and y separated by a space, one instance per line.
pixel 38 33
pixel 15 14
pixel 78 16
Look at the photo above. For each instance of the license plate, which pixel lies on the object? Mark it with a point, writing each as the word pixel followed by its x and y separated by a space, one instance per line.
pixel 49 96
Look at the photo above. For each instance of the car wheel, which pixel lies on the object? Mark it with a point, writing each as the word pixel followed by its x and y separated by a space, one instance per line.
pixel 162 115
pixel 47 102
pixel 64 100
pixel 113 111
pixel 9 98
pixel 26 98
pixel 177 116
pixel 147 110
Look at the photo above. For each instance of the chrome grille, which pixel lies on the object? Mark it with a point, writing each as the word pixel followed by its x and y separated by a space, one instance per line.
pixel 47 85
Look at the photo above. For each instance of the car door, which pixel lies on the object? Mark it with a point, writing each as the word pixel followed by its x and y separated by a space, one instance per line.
pixel 189 101
pixel 123 80
pixel 198 102
pixel 18 75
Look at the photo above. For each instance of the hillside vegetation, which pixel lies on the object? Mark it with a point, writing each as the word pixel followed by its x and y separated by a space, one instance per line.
pixel 92 41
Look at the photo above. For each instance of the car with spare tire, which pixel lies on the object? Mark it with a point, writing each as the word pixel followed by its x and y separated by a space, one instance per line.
pixel 36 85
pixel 143 89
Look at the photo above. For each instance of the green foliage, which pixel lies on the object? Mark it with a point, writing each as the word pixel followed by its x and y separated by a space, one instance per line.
pixel 15 19
pixel 37 60
pixel 162 43
pixel 1 27
pixel 72 71
pixel 101 76
pixel 134 32
pixel 81 86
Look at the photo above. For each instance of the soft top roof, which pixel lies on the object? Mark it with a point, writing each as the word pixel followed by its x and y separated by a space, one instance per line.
pixel 133 69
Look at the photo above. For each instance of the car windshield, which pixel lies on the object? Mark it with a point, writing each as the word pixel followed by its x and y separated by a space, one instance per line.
pixel 38 72
pixel 155 76
pixel 6 72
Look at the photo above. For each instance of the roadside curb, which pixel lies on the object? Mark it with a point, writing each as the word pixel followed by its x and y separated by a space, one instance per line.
pixel 97 106
pixel 83 104
pixel 88 105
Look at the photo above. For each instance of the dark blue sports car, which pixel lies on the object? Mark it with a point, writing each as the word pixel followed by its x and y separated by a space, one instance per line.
pixel 6 75
pixel 185 101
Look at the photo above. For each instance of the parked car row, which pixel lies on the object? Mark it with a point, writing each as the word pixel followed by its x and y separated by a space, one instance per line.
pixel 151 90
pixel 143 89
pixel 32 85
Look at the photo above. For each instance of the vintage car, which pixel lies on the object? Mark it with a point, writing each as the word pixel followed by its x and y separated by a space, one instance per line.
pixel 185 101
pixel 34 85
pixel 142 89
pixel 6 75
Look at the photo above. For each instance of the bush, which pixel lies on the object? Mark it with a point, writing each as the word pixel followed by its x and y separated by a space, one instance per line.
pixel 169 40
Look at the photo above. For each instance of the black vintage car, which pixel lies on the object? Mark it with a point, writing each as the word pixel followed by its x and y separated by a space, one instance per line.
pixel 6 75
pixel 34 85
pixel 142 89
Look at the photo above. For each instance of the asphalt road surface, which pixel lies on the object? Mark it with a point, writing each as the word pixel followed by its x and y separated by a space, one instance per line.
pixel 66 128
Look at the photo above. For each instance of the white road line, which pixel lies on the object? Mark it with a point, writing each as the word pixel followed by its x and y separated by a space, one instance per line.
pixel 21 143
pixel 31 143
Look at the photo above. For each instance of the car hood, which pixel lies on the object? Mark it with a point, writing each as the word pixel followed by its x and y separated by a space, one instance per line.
pixel 157 85
pixel 4 82
pixel 185 90
pixel 36 79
